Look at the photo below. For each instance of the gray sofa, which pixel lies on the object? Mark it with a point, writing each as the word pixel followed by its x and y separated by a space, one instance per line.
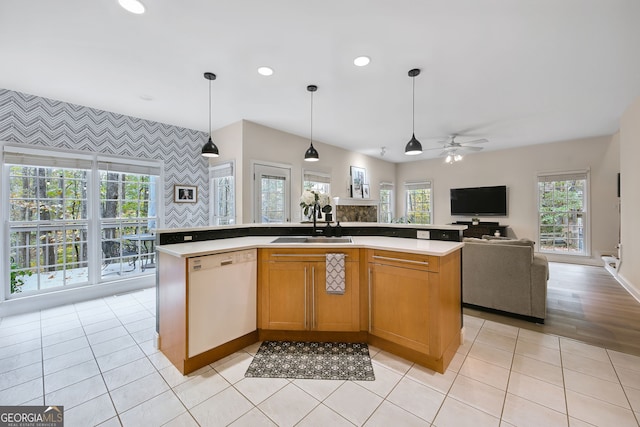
pixel 505 275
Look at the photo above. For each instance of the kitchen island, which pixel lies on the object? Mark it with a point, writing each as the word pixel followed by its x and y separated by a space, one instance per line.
pixel 401 295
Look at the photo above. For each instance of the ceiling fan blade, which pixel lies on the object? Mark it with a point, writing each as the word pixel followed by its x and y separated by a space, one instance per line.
pixel 435 148
pixel 444 153
pixel 471 148
pixel 475 141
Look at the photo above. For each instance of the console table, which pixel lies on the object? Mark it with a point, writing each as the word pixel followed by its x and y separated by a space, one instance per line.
pixel 483 228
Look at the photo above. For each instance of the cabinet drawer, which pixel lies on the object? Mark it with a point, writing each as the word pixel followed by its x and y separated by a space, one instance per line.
pixel 311 254
pixel 404 260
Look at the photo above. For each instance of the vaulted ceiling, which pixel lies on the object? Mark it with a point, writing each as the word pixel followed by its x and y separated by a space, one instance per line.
pixel 516 72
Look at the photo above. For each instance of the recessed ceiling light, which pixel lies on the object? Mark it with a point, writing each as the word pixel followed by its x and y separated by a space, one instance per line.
pixel 265 71
pixel 146 97
pixel 361 61
pixel 133 6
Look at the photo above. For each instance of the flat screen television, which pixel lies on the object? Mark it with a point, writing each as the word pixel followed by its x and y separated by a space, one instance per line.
pixel 479 201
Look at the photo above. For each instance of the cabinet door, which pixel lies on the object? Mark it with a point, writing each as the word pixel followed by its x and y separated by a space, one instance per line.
pixel 399 305
pixel 332 312
pixel 284 302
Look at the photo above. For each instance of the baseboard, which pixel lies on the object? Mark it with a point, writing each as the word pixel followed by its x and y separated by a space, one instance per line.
pixel 504 313
pixel 625 284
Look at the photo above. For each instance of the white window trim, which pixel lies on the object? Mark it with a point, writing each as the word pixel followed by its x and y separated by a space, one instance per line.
pixel 392 209
pixel 567 174
pixel 427 184
pixel 212 175
pixel 254 202
pixel 94 288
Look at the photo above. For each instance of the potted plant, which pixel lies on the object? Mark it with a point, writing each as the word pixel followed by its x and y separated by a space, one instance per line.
pixel 310 198
pixel 475 221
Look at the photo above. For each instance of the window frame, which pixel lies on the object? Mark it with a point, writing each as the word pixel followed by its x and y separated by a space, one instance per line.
pixel 216 172
pixel 384 187
pixel 418 185
pixel 50 157
pixel 275 170
pixel 585 214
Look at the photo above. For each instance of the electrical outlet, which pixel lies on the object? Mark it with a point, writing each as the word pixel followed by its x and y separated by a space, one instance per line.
pixel 424 234
pixel 187 238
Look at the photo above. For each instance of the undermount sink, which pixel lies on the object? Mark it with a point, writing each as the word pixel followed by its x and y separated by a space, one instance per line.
pixel 312 239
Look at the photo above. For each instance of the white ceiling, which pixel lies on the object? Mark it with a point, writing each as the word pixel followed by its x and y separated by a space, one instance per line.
pixel 516 72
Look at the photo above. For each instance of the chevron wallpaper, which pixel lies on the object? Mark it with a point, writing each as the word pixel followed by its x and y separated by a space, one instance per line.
pixel 29 119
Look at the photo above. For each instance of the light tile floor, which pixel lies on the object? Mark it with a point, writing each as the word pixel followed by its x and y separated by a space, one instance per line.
pixel 97 358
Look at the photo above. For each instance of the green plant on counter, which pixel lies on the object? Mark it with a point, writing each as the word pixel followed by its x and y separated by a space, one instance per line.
pixel 17 277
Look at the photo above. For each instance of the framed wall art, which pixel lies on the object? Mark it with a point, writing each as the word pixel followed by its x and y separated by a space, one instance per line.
pixel 366 191
pixel 358 179
pixel 185 193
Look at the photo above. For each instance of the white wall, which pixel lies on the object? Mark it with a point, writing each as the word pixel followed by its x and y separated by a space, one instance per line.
pixel 517 168
pixel 630 201
pixel 266 144
pixel 248 142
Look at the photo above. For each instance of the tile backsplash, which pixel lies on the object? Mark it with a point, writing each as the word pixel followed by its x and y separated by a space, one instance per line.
pixel 347 213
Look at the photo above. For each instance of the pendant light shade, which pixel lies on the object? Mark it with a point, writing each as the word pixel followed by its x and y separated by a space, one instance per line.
pixel 312 154
pixel 209 149
pixel 413 147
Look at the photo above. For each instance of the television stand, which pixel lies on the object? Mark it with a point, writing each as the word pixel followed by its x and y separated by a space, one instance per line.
pixel 483 228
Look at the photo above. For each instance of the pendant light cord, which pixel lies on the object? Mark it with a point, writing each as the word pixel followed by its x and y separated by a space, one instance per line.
pixel 311 132
pixel 209 108
pixel 413 106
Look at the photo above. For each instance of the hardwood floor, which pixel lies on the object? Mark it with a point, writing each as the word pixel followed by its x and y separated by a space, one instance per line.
pixel 585 303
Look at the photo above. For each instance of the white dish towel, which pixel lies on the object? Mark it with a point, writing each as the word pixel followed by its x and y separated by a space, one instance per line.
pixel 335 273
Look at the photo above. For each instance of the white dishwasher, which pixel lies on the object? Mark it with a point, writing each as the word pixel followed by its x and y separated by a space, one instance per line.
pixel 222 298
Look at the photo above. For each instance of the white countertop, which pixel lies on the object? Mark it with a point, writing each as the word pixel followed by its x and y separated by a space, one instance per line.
pixel 420 246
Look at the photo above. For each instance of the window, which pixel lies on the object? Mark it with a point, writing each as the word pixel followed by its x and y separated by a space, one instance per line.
pixel 48 221
pixel 223 210
pixel 386 202
pixel 562 213
pixel 75 219
pixel 316 181
pixel 127 217
pixel 418 202
pixel 272 190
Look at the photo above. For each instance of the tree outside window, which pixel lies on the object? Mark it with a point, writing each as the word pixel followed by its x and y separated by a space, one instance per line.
pixel 418 202
pixel 562 211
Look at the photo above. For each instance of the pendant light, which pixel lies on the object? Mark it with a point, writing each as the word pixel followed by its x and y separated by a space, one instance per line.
pixel 209 149
pixel 312 154
pixel 413 146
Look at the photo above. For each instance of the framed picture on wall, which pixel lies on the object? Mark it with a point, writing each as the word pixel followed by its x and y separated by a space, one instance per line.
pixel 185 193
pixel 366 192
pixel 358 178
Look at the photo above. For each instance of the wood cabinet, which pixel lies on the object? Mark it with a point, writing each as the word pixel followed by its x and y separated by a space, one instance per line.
pixel 483 229
pixel 414 305
pixel 292 289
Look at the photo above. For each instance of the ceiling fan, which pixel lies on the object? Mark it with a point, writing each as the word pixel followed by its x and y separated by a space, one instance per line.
pixel 452 148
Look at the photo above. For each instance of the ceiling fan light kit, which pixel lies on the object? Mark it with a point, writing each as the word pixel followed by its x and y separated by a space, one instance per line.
pixel 413 147
pixel 133 6
pixel 311 155
pixel 209 149
pixel 452 149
